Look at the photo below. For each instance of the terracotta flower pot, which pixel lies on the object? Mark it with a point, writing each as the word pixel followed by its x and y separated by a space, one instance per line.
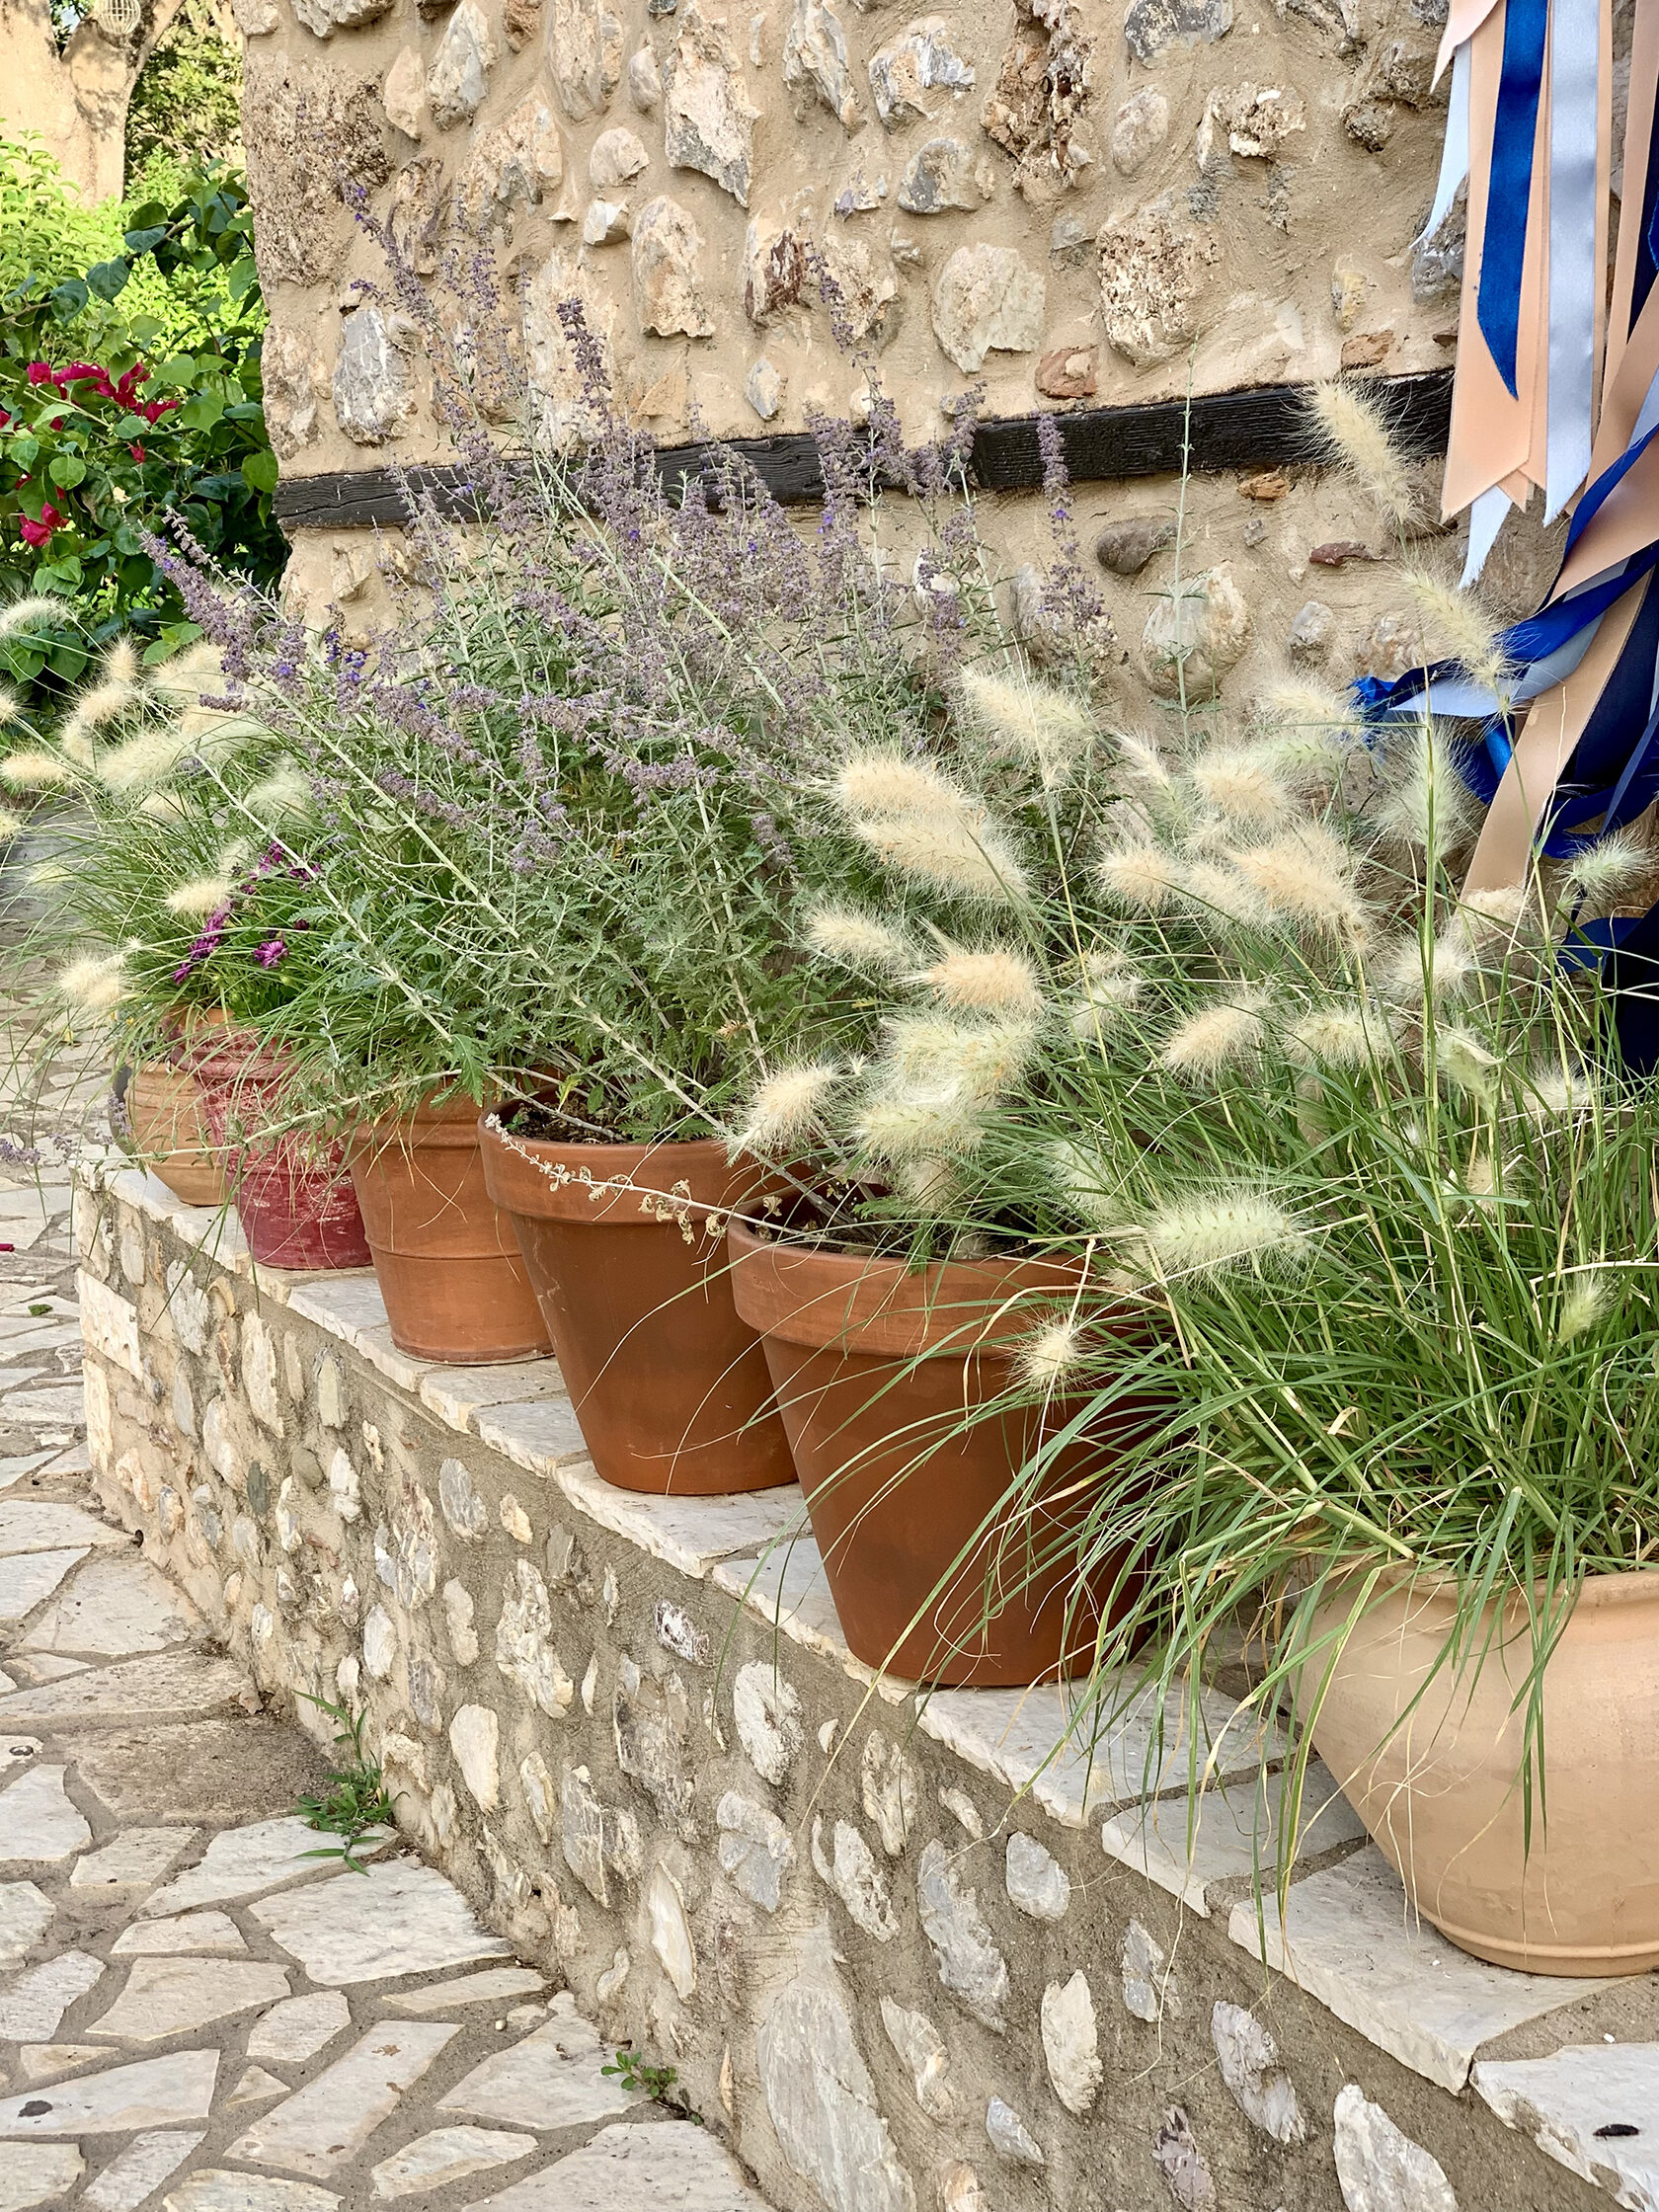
pixel 170 1132
pixel 1442 1796
pixel 295 1201
pixel 874 1368
pixel 624 1247
pixel 449 1266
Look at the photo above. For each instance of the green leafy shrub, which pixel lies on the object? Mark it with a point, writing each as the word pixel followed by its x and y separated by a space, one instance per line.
pixel 115 417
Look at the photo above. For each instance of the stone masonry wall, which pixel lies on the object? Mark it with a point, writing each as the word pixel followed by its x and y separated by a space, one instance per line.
pixel 887 1978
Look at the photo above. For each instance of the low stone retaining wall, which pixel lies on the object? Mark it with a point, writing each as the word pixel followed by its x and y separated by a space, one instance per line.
pixel 893 1958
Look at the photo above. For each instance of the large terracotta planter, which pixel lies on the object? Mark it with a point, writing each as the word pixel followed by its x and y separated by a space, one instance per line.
pixel 1443 1797
pixel 168 1123
pixel 670 1388
pixel 453 1278
pixel 874 1366
pixel 294 1199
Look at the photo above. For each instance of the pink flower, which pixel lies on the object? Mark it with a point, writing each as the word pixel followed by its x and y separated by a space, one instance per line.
pixel 272 951
pixel 39 373
pixel 38 534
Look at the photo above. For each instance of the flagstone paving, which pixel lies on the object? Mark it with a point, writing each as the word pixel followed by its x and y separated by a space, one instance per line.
pixel 193 2015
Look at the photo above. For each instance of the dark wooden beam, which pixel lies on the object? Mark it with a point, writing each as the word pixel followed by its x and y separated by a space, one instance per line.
pixel 1251 428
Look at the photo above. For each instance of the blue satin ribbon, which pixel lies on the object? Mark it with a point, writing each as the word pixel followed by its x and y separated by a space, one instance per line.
pixel 1503 250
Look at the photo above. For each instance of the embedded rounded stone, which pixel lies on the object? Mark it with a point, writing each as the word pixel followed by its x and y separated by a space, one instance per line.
pixel 969 1961
pixel 1038 1885
pixel 709 120
pixel 323 18
pixel 754 1848
pixel 666 273
pixel 524 1649
pixel 403 94
pixel 888 1786
pixel 1389 648
pixel 1248 121
pixel 1155 29
pixel 459 1619
pixel 774 269
pixel 1127 546
pixel 671 1934
pixel 1194 633
pixel 459 76
pixel 768 1715
pixel 379 1643
pixel 1148 1991
pixel 644 82
pixel 1138 130
pixel 1009 2134
pixel 474 1738
pixel 822 2102
pixel 1311 631
pixel 515 165
pixel 1182 2163
pixel 849 1868
pixel 764 389
pixel 987 299
pixel 815 53
pixel 1069 372
pixel 1380 2169
pixel 921 59
pixel 374 396
pixel 1249 2059
pixel 617 155
pixel 920 2046
pixel 1151 274
pixel 945 175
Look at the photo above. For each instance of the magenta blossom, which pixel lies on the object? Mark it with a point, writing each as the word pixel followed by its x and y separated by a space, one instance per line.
pixel 272 951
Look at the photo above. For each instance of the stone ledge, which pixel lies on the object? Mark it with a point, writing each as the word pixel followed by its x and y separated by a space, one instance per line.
pixel 693 1723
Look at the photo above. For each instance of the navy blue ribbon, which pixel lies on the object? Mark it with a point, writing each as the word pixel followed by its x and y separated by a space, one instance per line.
pixel 1509 189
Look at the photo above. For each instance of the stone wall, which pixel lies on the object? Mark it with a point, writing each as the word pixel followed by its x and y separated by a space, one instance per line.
pixel 898 1959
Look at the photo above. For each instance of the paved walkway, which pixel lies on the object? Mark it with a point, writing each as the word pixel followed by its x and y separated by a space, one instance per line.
pixel 193 2014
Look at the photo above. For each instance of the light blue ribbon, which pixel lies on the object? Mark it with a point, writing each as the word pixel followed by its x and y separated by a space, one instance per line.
pixel 1574 64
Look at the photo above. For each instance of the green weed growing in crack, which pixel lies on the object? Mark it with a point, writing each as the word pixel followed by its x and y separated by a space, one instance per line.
pixel 634 2072
pixel 356 1801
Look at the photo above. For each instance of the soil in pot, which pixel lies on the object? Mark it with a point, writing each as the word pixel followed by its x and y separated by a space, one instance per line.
pixel 626 1250
pixel 169 1125
pixel 294 1199
pixel 874 1366
pixel 454 1281
pixel 1442 1796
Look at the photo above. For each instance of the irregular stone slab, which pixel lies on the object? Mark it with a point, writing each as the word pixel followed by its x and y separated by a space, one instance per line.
pixel 44 2062
pixel 987 301
pixel 920 60
pixel 299 2028
pixel 152 2093
pixel 970 1963
pixel 39 2175
pixel 708 117
pixel 849 1868
pixel 165 1996
pixel 209 1771
pixel 1071 2042
pixel 1381 2170
pixel 25 1916
pixel 61 1408
pixel 132 2174
pixel 823 2105
pixel 332 2117
pixel 30 1578
pixel 1591 2107
pixel 1009 2134
pixel 1248 2058
pixel 552 2079
pixel 1237 1831
pixel 1353 1944
pixel 496 1981
pixel 256 2086
pixel 36 1819
pixel 400 1918
pixel 179 1681
pixel 445 2154
pixel 134 1860
pixel 768 1716
pixel 241 1863
pixel 32 2008
pixel 210 2190
pixel 641 2168
pixel 115 1606
pixel 1038 1884
pixel 214 1932
pixel 16 1751
pixel 921 2047
pixel 1157 28
pixel 755 1849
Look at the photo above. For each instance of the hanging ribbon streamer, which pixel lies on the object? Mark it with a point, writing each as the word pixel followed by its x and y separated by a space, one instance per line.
pixel 1557 388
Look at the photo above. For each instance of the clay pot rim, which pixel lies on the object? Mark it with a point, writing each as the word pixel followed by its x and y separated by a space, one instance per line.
pixel 454 1120
pixel 874 1306
pixel 1626 1586
pixel 708 1180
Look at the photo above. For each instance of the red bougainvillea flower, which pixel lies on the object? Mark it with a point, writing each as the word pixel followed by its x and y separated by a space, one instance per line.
pixel 39 373
pixel 137 452
pixel 40 533
pixel 154 409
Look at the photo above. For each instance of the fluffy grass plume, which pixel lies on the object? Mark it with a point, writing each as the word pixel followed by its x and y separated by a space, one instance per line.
pixel 1034 720
pixel 1291 705
pixel 1423 801
pixel 11 706
pixel 1355 433
pixel 786 1106
pixel 1340 1036
pixel 1605 872
pixel 1051 1353
pixel 279 797
pixel 34 770
pixel 971 1060
pixel 992 977
pixel 902 1125
pixel 1216 1041
pixel 1304 879
pixel 887 783
pixel 33 609
pixel 1083 1180
pixel 856 939
pixel 971 859
pixel 201 896
pixel 1583 1302
pixel 116 687
pixel 1460 629
pixel 1468 1062
pixel 188 675
pixel 1220 896
pixel 147 760
pixel 92 984
pixel 1139 757
pixel 1215 1232
pixel 1403 975
pixel 1552 1090
pixel 11 825
pixel 1140 879
pixel 1240 785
